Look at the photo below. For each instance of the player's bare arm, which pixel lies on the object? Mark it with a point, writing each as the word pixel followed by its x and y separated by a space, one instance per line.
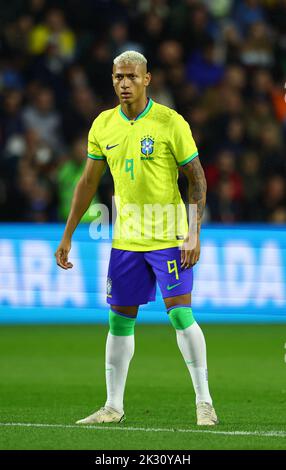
pixel 83 195
pixel 197 195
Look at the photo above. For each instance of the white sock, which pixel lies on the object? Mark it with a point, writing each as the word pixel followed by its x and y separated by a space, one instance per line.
pixel 192 345
pixel 118 354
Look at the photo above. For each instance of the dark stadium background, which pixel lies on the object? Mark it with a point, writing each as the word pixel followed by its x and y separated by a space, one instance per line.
pixel 222 65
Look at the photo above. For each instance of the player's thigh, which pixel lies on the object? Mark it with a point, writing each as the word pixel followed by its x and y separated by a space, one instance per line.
pixel 173 281
pixel 129 310
pixel 184 299
pixel 130 280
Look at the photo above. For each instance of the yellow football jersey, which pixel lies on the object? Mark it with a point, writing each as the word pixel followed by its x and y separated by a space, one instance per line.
pixel 143 155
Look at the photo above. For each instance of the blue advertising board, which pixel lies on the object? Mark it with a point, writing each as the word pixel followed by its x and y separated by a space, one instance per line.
pixel 241 276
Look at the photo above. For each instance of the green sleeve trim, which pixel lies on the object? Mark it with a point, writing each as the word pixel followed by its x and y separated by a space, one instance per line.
pixel 189 159
pixel 96 157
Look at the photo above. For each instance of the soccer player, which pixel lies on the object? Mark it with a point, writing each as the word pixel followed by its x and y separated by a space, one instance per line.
pixel 144 143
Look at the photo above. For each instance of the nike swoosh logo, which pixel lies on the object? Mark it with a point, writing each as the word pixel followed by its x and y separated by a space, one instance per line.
pixel 109 147
pixel 174 285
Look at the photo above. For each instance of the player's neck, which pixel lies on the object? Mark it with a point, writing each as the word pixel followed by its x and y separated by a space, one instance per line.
pixel 133 110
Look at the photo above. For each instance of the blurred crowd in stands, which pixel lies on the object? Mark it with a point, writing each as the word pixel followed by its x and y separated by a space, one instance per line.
pixel 221 64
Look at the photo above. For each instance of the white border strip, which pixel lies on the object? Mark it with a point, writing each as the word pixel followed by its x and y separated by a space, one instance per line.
pixel 123 428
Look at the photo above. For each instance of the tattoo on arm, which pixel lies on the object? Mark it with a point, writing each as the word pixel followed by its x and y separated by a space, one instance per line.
pixel 197 186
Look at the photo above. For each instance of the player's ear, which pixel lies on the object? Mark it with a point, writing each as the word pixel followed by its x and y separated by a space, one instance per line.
pixel 147 79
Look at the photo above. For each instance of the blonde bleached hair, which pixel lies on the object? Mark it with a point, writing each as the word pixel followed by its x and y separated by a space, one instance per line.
pixel 130 57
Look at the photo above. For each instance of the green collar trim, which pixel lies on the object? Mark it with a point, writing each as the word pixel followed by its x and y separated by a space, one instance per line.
pixel 141 115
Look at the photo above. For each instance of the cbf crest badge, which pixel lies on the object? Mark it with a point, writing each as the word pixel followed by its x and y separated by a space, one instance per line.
pixel 109 287
pixel 147 145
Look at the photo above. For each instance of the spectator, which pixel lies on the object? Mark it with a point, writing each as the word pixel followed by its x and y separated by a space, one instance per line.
pixel 259 116
pixel 170 53
pixel 119 39
pixel 68 176
pixel 223 206
pixel 16 34
pixel 11 122
pixel 246 13
pixel 235 78
pixel 278 216
pixel 257 49
pixel 98 68
pixel 220 64
pixel 34 196
pixel 271 150
pixel 224 169
pixel 151 35
pixel 252 184
pixel 80 112
pixel 235 136
pixel 42 117
pixel 219 8
pixel 158 89
pixel 274 196
pixel 53 32
pixel 203 69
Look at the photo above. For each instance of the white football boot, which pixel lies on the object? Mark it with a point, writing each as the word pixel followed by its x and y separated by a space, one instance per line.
pixel 103 415
pixel 206 415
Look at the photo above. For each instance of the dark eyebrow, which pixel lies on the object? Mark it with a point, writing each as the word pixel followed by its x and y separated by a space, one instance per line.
pixel 118 74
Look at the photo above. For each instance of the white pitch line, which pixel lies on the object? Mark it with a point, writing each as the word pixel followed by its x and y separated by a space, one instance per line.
pixel 123 428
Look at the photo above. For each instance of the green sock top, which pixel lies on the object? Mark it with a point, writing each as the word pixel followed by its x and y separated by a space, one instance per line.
pixel 120 324
pixel 181 317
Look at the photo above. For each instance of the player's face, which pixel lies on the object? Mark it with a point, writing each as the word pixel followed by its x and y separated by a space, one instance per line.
pixel 130 81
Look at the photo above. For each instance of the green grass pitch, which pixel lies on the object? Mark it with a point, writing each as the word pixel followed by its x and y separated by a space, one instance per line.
pixel 55 375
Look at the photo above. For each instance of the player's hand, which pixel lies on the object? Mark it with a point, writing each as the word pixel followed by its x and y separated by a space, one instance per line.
pixel 189 257
pixel 62 254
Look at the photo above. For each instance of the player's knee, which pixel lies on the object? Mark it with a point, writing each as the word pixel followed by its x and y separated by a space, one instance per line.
pixel 121 324
pixel 181 317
